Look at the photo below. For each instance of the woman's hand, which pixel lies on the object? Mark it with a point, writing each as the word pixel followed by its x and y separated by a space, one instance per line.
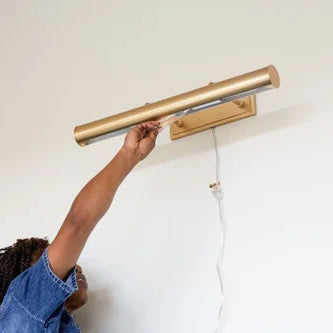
pixel 140 140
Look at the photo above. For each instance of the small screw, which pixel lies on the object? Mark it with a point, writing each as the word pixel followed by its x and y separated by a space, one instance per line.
pixel 179 123
pixel 239 103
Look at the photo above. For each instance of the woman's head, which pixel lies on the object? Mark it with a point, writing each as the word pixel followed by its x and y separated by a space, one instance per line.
pixel 18 257
pixel 24 253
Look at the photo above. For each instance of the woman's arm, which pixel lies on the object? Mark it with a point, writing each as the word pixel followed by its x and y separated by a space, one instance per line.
pixel 95 198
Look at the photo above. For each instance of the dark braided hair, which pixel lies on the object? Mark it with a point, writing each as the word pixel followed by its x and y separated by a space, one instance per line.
pixel 18 257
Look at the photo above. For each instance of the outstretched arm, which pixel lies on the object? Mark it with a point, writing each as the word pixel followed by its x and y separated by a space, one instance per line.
pixel 94 200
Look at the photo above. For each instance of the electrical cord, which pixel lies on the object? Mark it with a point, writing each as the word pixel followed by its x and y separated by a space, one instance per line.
pixel 218 194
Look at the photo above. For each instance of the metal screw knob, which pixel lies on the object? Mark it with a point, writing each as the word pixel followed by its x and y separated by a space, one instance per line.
pixel 179 123
pixel 240 103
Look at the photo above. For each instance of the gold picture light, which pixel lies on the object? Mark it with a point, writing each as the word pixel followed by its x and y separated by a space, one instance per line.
pixel 192 105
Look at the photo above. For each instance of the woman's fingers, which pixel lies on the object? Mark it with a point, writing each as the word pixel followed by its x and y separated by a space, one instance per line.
pixel 151 129
pixel 148 126
pixel 153 134
pixel 148 129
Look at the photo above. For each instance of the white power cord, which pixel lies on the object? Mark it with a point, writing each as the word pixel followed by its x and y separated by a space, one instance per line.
pixel 218 194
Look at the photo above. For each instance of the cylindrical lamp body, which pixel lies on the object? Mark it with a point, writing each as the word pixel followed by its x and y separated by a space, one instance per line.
pixel 227 90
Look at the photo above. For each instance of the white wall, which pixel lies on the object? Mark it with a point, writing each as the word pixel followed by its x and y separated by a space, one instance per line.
pixel 151 260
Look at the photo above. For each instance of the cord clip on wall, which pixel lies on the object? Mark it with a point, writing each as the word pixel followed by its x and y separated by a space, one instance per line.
pixel 216 190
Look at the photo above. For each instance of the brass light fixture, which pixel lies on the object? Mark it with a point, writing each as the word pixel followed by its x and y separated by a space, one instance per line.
pixel 201 108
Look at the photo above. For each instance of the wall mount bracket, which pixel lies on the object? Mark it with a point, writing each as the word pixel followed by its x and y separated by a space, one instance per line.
pixel 213 116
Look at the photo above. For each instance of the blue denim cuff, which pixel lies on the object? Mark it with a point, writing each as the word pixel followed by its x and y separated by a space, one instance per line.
pixel 70 285
pixel 40 291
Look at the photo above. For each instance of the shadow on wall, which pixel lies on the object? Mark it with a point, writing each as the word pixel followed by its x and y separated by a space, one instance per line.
pixel 231 133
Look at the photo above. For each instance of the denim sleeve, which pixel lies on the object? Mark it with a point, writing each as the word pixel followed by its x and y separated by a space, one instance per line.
pixel 40 291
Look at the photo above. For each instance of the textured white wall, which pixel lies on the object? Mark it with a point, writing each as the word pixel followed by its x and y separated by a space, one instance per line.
pixel 151 260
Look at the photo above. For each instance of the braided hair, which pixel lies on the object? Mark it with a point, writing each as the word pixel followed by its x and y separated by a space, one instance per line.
pixel 18 257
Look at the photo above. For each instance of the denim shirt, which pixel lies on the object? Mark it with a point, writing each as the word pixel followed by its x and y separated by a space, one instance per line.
pixel 35 301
